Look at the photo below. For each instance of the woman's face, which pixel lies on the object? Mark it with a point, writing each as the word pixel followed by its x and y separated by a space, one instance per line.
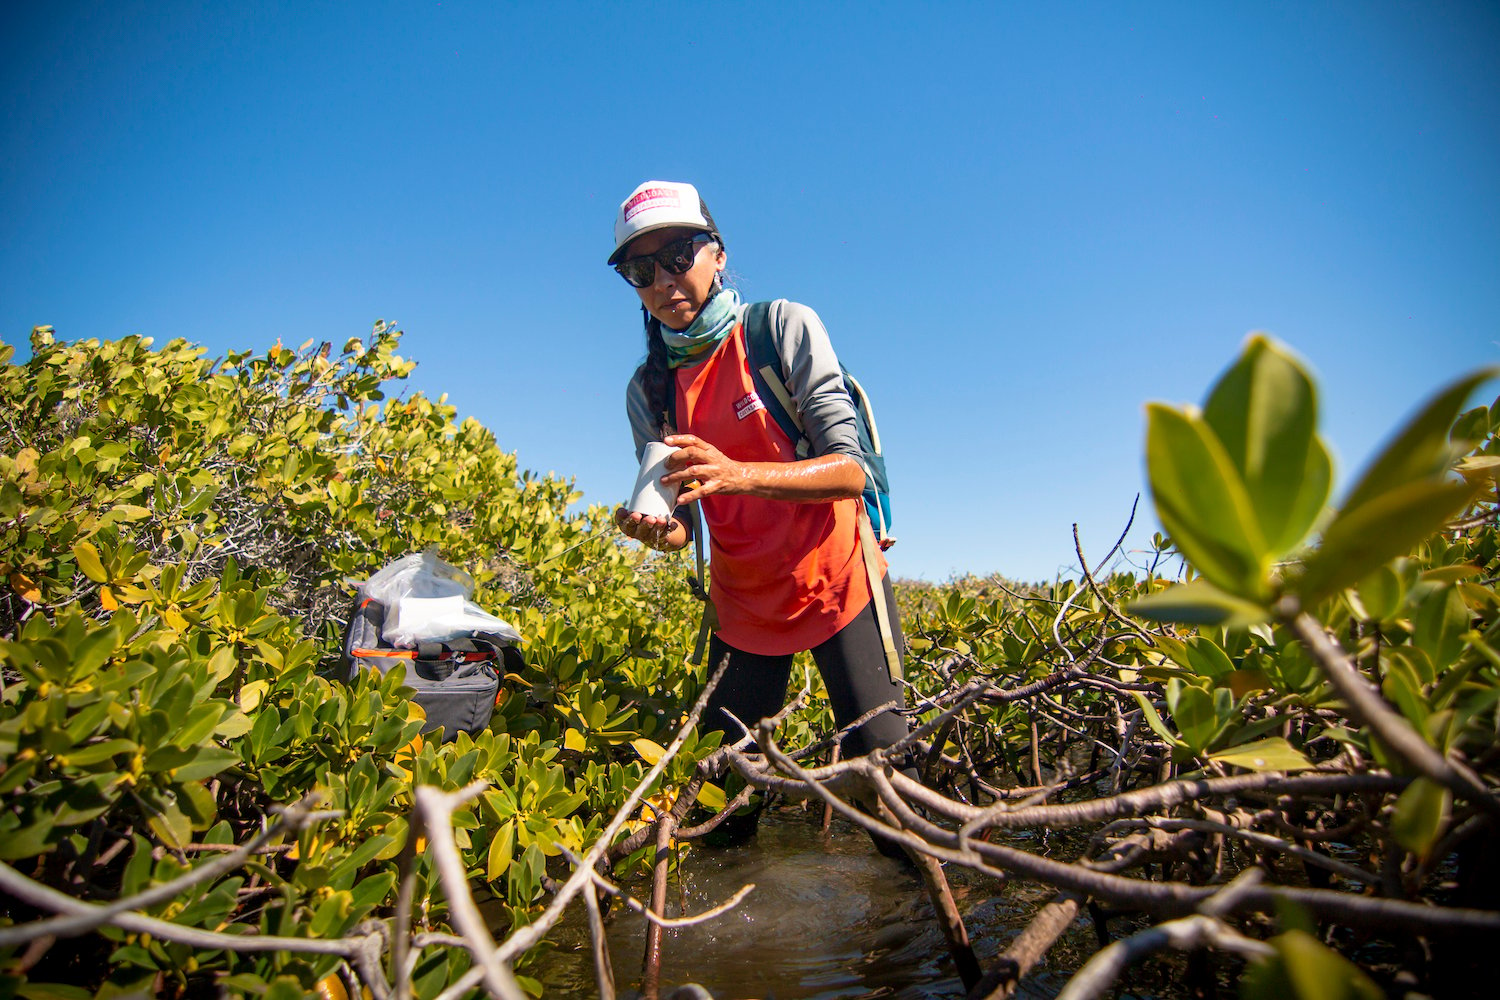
pixel 676 299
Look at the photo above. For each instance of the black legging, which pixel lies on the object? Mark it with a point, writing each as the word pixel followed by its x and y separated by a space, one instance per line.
pixel 854 671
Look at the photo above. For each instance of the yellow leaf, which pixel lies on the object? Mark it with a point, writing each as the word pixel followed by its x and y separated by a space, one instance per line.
pixel 650 751
pixel 331 987
pixel 89 562
pixel 1450 574
pixel 251 695
pixel 1477 467
pixel 712 796
pixel 128 594
pixel 107 599
pixel 23 585
pixel 573 740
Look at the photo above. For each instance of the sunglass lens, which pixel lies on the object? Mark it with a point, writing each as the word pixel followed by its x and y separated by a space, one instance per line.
pixel 678 257
pixel 638 271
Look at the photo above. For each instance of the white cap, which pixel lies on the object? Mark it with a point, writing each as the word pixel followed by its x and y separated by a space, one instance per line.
pixel 659 205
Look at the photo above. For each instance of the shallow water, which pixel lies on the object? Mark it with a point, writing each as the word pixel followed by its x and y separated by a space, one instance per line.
pixel 828 918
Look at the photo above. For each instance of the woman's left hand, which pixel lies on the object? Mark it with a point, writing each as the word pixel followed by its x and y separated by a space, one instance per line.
pixel 714 471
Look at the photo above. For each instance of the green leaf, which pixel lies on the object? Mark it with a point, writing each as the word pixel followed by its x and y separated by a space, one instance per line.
pixel 197 804
pixel 1154 720
pixel 372 890
pixel 235 725
pixel 200 722
pixel 169 822
pixel 28 841
pixel 1363 538
pixel 1381 593
pixel 502 848
pixel 285 988
pixel 1270 754
pixel 1193 713
pixel 329 918
pixel 1471 425
pixel 1421 450
pixel 93 652
pixel 1264 410
pixel 1441 621
pixel 1303 968
pixel 1206 658
pixel 51 991
pixel 1402 686
pixel 1198 603
pixel 82 800
pixel 205 763
pixel 94 753
pixel 1312 498
pixel 1422 812
pixel 1202 502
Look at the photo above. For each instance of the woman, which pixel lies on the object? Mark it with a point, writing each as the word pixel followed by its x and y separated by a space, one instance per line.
pixel 788 569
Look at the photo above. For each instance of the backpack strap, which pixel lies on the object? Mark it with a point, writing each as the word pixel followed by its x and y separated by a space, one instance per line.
pixel 765 372
pixel 871 551
pixel 709 622
pixel 698 582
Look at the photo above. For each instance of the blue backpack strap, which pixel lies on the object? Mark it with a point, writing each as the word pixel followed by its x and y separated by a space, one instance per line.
pixel 764 360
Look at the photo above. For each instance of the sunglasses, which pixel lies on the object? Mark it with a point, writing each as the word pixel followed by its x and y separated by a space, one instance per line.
pixel 675 258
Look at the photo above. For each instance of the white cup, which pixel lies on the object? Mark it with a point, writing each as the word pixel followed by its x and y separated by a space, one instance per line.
pixel 650 497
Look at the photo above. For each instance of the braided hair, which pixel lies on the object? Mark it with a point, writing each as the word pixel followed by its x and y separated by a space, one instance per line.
pixel 654 372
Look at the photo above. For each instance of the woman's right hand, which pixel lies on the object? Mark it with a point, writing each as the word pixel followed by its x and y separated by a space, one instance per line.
pixel 665 533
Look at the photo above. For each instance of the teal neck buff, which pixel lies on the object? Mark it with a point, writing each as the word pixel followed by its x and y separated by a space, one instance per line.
pixel 712 324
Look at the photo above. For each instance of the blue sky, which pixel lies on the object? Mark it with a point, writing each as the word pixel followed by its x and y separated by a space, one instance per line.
pixel 1020 222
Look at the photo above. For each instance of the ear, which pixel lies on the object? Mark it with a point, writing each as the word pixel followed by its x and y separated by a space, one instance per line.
pixel 720 259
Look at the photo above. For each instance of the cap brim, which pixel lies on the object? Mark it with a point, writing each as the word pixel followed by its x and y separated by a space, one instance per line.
pixel 619 253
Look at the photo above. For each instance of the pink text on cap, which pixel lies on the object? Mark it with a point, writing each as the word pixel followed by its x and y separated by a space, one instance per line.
pixel 651 198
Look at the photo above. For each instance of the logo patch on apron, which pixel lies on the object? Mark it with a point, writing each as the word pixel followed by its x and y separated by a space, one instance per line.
pixel 747 405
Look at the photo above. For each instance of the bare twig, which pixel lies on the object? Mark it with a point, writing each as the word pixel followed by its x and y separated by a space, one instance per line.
pixel 604 973
pixel 1202 930
pixel 292 818
pixel 1368 708
pixel 528 936
pixel 434 809
pixel 636 906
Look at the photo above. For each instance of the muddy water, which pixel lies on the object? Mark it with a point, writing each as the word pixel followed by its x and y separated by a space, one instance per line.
pixel 828 918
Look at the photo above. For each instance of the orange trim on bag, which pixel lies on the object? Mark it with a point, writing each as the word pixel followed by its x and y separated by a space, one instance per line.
pixel 411 654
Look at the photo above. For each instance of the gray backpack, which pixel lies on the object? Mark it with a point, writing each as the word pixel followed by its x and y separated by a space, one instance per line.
pixel 457 682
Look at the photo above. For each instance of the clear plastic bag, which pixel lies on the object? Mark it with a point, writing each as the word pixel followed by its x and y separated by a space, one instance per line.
pixel 427 600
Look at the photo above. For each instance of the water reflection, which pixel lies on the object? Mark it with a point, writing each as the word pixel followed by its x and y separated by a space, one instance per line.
pixel 828 918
